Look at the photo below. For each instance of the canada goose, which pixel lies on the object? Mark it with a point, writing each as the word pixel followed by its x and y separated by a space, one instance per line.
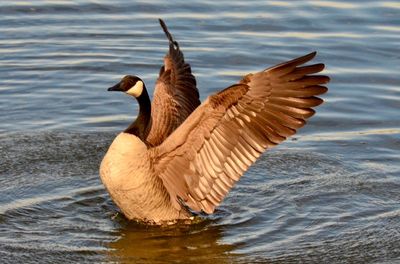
pixel 181 154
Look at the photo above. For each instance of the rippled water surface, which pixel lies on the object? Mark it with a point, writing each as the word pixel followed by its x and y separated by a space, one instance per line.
pixel 329 194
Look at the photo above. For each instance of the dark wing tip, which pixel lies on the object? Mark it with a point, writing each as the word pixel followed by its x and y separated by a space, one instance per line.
pixel 163 26
pixel 309 56
pixel 293 63
pixel 324 79
pixel 319 67
pixel 165 29
pixel 303 59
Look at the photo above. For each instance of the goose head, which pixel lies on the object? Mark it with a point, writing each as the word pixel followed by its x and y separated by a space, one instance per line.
pixel 134 86
pixel 131 85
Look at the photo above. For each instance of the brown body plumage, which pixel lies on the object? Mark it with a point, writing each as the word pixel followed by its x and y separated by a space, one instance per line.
pixel 187 154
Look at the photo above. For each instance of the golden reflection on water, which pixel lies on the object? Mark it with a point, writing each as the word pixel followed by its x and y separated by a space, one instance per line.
pixel 391 4
pixel 196 243
pixel 304 35
pixel 334 4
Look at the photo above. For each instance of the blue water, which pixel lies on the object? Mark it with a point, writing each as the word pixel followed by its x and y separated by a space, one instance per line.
pixel 329 194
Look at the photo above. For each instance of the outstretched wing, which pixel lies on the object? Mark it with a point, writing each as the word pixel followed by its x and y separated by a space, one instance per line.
pixel 175 95
pixel 201 161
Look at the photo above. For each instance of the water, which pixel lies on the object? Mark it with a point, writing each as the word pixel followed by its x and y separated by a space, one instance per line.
pixel 329 194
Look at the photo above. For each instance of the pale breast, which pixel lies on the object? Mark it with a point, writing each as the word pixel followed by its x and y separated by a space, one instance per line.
pixel 127 174
pixel 125 157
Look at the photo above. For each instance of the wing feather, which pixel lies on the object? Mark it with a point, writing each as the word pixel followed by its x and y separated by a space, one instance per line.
pixel 175 94
pixel 231 129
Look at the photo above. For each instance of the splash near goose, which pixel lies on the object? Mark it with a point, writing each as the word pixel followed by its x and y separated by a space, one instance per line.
pixel 180 153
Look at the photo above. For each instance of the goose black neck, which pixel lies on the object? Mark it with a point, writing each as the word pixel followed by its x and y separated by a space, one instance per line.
pixel 141 126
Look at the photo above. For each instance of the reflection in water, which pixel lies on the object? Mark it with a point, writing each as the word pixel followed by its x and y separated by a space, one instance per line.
pixel 196 243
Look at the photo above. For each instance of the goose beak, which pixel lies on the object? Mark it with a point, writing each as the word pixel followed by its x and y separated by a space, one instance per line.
pixel 115 88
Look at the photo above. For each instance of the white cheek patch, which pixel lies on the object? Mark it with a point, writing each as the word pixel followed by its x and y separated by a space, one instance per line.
pixel 136 90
